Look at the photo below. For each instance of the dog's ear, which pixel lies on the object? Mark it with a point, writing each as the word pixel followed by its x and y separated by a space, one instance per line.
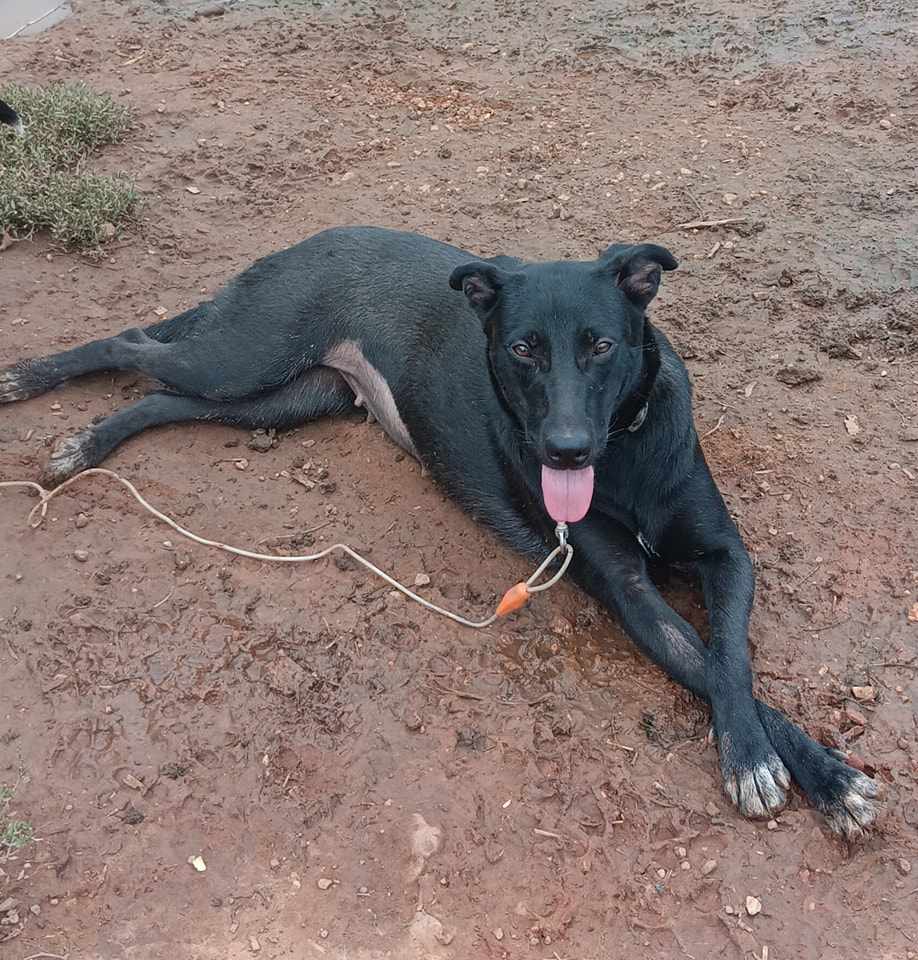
pixel 637 268
pixel 480 282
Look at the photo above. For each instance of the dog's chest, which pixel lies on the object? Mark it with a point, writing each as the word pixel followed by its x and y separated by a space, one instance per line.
pixel 371 390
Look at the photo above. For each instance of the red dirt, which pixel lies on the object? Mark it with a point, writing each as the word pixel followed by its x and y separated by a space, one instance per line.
pixel 296 725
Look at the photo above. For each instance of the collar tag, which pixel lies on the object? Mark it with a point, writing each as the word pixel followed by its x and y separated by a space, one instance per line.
pixel 638 421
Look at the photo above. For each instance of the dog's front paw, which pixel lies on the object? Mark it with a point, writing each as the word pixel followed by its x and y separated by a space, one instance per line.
pixel 844 795
pixel 755 779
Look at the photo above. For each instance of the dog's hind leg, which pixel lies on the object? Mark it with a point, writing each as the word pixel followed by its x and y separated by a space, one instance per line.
pixel 317 392
pixel 31 378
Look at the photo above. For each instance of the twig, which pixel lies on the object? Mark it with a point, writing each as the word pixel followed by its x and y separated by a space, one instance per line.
pixel 45 956
pixel 458 693
pixel 910 663
pixel 701 224
pixel 717 426
pixel 16 33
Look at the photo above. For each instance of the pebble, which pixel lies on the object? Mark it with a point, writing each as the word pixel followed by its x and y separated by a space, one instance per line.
pixel 422 580
pixel 708 867
pixel 323 883
pixel 886 124
pixel 198 863
pixel 275 863
pixel 772 824
pixel 855 716
pixel 498 933
pixel 81 555
pixel 903 866
pixel 863 693
pixel 753 906
pixel 661 873
pixel 685 865
pixel 681 852
pixel 80 521
pixel 711 809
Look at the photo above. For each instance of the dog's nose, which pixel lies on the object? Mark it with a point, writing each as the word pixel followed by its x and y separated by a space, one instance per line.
pixel 566 450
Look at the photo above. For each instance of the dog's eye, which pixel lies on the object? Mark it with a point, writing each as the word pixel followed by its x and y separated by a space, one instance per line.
pixel 601 347
pixel 522 349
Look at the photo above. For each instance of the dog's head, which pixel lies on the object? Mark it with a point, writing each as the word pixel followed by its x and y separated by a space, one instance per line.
pixel 566 349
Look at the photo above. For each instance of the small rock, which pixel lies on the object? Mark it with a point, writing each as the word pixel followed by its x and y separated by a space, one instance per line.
pixel 210 10
pixel 254 945
pixel 855 716
pixel 241 463
pixel 910 435
pixel 798 374
pixel 886 124
pixel 9 904
pixel 275 863
pixel 198 863
pixel 561 627
pixel 864 694
pixel 261 441
pixel 772 824
pixel 708 867
pixel 681 852
pixel 661 873
pixel 323 883
pixel 81 555
pixel 422 580
pixel 498 933
pixel 55 406
pixel 728 909
pixel 753 906
pixel 852 425
pixel 193 189
pixel 903 866
pixel 80 521
pixel 685 865
pixel 711 809
pixel 323 934
pixel 35 910
pixel 913 613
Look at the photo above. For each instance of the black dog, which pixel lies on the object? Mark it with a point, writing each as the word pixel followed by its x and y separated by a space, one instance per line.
pixel 539 392
pixel 9 116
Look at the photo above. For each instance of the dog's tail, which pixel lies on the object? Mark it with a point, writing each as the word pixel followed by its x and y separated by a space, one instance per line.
pixel 9 116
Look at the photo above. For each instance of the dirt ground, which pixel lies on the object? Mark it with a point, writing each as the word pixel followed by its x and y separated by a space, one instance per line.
pixel 366 780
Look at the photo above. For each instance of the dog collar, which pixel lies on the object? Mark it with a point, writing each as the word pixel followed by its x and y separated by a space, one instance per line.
pixel 633 412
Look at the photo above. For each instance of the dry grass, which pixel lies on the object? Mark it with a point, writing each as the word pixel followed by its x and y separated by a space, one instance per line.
pixel 44 183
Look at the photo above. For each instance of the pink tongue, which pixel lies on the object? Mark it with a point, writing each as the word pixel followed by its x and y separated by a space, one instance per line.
pixel 567 493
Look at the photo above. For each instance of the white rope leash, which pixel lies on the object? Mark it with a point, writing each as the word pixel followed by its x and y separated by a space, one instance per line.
pixel 515 597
